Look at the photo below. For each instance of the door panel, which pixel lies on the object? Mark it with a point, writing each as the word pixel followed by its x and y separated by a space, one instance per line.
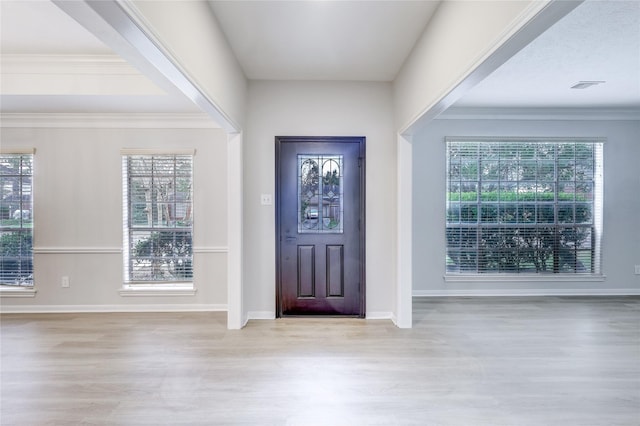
pixel 335 271
pixel 320 226
pixel 306 271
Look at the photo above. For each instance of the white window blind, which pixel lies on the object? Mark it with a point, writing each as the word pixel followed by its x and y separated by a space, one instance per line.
pixel 16 218
pixel 519 205
pixel 157 217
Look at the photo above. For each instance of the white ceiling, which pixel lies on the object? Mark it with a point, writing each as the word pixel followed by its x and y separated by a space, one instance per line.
pixel 322 40
pixel 597 41
pixel 40 27
pixel 341 40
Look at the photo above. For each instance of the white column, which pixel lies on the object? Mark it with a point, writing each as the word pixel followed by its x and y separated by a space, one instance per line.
pixel 404 279
pixel 236 317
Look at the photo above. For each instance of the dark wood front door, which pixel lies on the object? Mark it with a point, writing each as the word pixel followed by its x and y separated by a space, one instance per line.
pixel 320 226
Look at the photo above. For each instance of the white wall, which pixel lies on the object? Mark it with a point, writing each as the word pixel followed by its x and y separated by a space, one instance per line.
pixel 319 109
pixel 78 215
pixel 621 238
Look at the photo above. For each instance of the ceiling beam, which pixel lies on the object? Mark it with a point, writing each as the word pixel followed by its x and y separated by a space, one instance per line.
pixel 503 50
pixel 114 23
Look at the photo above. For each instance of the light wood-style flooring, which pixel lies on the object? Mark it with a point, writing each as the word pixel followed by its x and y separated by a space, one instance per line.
pixel 467 361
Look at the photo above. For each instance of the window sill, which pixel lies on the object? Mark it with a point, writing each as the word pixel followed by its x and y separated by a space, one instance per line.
pixel 10 291
pixel 155 290
pixel 523 278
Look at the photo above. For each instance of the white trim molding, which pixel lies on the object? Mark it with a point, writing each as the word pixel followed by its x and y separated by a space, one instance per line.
pixel 210 250
pixel 9 291
pixel 270 315
pixel 77 250
pixel 157 290
pixel 37 309
pixel 260 315
pixel 71 64
pixel 158 151
pixel 577 114
pixel 109 120
pixel 379 315
pixel 528 292
pixel 547 278
pixel 113 250
pixel 73 75
pixel 17 150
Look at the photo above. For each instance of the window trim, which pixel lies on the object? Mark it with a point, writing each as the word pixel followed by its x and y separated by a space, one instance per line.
pixel 18 151
pixel 147 151
pixel 597 220
pixel 23 291
pixel 15 291
pixel 152 287
pixel 157 288
pixel 524 277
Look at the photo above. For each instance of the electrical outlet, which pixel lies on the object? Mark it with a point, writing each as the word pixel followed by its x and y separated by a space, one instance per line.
pixel 637 269
pixel 65 282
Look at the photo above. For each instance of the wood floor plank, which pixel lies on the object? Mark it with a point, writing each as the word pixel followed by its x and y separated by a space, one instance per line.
pixel 467 361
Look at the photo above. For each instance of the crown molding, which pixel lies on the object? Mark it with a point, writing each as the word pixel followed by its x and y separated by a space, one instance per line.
pixel 473 113
pixel 108 120
pixel 65 64
pixel 68 75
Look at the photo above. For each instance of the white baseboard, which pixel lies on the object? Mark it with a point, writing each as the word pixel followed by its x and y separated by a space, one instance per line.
pixel 528 292
pixel 38 309
pixel 261 315
pixel 394 319
pixel 379 315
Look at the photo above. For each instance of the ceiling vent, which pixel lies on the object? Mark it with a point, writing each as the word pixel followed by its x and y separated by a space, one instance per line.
pixel 586 84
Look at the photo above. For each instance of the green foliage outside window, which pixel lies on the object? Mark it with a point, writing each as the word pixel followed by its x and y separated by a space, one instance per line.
pixel 16 259
pixel 164 255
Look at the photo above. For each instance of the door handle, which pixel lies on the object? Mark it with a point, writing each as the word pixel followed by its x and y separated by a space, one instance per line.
pixel 290 239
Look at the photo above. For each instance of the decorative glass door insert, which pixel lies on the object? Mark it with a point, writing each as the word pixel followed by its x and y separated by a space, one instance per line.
pixel 320 195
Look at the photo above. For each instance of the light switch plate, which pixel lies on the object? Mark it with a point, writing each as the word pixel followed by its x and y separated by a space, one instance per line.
pixel 265 199
pixel 637 269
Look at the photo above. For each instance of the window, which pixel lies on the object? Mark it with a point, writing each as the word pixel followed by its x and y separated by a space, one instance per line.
pixel 16 219
pixel 531 206
pixel 320 193
pixel 158 220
